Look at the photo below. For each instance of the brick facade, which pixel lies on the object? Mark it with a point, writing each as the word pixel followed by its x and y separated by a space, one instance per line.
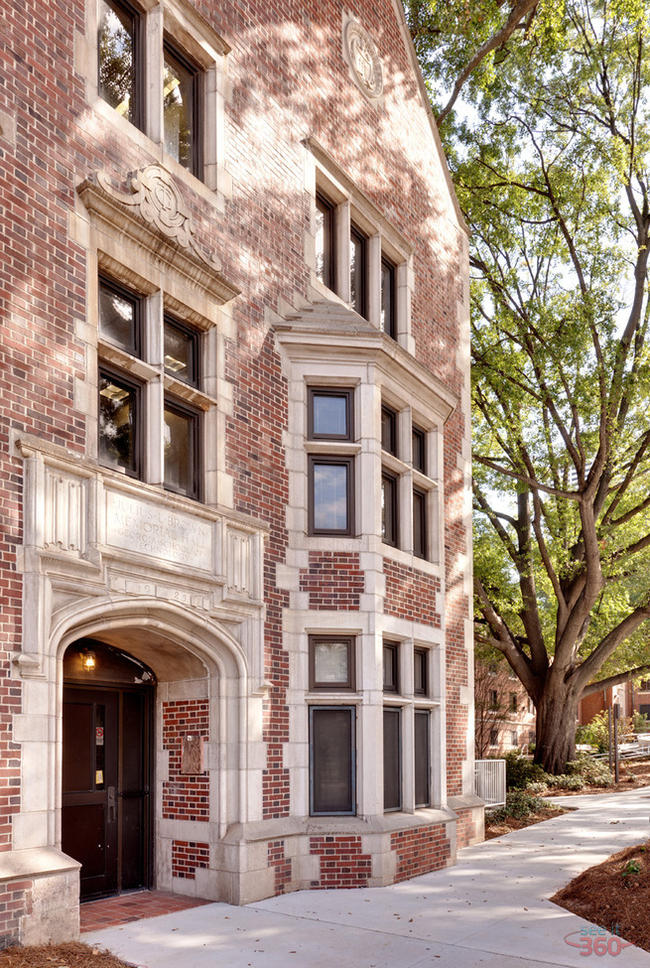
pixel 217 599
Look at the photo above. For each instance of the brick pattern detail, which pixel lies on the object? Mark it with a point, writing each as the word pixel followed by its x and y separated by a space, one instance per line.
pixel 187 855
pixel 334 580
pixel 465 828
pixel 342 864
pixel 281 865
pixel 411 594
pixel 419 850
pixel 15 901
pixel 184 797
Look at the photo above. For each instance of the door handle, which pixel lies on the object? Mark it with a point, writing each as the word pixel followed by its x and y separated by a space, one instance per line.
pixel 111 802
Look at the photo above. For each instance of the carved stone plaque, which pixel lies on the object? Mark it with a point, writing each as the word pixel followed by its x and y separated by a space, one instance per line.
pixel 192 759
pixel 141 526
pixel 364 60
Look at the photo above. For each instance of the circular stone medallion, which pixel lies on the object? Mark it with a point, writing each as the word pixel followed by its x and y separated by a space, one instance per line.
pixel 364 59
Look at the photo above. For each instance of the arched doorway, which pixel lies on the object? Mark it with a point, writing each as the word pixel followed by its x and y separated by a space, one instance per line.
pixel 107 767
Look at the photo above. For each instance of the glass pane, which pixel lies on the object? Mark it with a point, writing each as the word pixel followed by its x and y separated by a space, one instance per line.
pixel 388 500
pixel 324 242
pixel 420 672
pixel 178 108
pixel 117 421
pixel 388 298
pixel 330 415
pixel 117 318
pixel 331 662
pixel 390 668
pixel 116 45
pixel 180 353
pixel 332 761
pixel 418 450
pixel 330 497
pixel 100 746
pixel 179 447
pixel 421 758
pixel 388 430
pixel 392 765
pixel 357 273
pixel 419 537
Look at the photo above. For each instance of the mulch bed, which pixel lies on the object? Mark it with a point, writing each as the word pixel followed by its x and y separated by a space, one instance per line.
pixel 499 828
pixel 70 955
pixel 615 895
pixel 632 775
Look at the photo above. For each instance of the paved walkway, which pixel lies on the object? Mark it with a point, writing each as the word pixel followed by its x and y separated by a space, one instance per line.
pixel 489 911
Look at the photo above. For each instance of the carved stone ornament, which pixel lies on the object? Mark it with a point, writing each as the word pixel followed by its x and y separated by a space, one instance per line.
pixel 156 199
pixel 364 59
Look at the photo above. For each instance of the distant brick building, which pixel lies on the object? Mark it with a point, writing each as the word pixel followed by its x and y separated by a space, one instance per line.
pixel 504 713
pixel 235 444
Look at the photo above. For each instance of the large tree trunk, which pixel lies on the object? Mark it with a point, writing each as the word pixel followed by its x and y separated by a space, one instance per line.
pixel 556 727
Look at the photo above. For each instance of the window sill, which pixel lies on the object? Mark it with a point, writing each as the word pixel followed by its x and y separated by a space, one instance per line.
pixel 409 560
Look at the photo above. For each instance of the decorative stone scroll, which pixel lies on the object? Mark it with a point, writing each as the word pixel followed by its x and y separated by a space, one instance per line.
pixel 154 197
pixel 364 60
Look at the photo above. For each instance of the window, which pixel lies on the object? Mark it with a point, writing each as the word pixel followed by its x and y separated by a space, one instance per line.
pixel 388 300
pixel 392 759
pixel 330 414
pixel 388 430
pixel 421 672
pixel 422 756
pixel 331 495
pixel 419 523
pixel 513 737
pixel 513 702
pixel 419 439
pixel 122 397
pixel 391 667
pixel 181 109
pixel 493 699
pixel 494 737
pixel 389 521
pixel 332 760
pixel 119 422
pixel 331 662
pixel 119 59
pixel 358 270
pixel 325 241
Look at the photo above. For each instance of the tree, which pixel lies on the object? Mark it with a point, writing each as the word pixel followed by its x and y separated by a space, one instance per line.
pixel 551 167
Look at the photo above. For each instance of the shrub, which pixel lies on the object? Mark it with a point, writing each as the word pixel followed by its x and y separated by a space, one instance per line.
pixel 592 771
pixel 519 805
pixel 520 771
pixel 536 787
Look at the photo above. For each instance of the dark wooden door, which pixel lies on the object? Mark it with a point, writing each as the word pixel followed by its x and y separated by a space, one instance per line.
pixel 105 816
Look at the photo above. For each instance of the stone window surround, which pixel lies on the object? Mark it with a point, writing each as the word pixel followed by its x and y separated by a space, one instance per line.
pixel 191 34
pixel 351 206
pixel 369 700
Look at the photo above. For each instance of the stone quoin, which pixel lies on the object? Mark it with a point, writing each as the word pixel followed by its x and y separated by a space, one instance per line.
pixel 235 545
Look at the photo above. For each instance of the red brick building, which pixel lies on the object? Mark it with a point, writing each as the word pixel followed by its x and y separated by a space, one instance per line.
pixel 234 383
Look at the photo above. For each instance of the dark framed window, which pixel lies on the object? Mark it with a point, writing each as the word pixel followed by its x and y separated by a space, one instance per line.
pixel 332 760
pixel 419 449
pixel 119 422
pixel 392 759
pixel 513 702
pixel 182 97
pixel 358 270
pixel 493 699
pixel 494 737
pixel 388 430
pixel 421 672
pixel 513 737
pixel 331 662
pixel 391 667
pixel 120 316
pixel 419 523
pixel 389 512
pixel 119 59
pixel 325 241
pixel 181 449
pixel 422 754
pixel 330 414
pixel 181 351
pixel 388 298
pixel 331 495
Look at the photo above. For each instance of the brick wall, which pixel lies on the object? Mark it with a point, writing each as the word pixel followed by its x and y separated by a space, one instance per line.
pixel 411 594
pixel 15 901
pixel 187 855
pixel 281 864
pixel 333 580
pixel 342 863
pixel 419 850
pixel 185 797
pixel 466 832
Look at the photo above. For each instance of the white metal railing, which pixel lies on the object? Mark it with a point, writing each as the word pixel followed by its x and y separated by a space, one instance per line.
pixel 490 781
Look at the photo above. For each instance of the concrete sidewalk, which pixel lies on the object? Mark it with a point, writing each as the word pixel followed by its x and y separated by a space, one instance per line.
pixel 491 909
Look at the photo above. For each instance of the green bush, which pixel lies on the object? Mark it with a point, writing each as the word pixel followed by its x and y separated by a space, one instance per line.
pixel 519 805
pixel 520 771
pixel 594 772
pixel 640 723
pixel 536 787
